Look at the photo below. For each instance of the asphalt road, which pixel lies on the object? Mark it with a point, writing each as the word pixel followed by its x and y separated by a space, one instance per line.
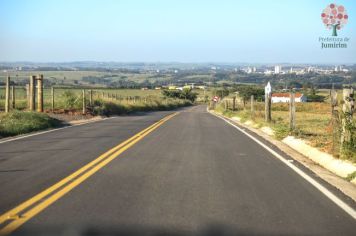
pixel 194 174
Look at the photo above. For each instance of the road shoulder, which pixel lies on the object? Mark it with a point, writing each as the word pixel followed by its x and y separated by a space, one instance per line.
pixel 346 188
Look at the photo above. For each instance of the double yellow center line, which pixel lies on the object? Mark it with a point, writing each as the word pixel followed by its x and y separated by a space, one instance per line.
pixel 17 216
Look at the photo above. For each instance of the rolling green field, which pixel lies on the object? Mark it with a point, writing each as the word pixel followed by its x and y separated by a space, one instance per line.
pixel 76 77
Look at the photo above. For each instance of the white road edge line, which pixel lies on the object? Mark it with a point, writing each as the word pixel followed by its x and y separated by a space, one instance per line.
pixel 349 210
pixel 52 130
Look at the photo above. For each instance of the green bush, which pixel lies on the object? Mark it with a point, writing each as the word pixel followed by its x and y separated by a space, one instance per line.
pixel 18 122
pixel 185 94
pixel 70 99
pixel 349 147
pixel 315 98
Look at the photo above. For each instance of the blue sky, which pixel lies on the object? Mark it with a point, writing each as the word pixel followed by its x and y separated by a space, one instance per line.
pixel 253 31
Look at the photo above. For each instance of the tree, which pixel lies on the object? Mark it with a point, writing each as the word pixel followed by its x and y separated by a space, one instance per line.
pixel 246 91
pixel 334 17
pixel 295 84
pixel 185 94
pixel 221 92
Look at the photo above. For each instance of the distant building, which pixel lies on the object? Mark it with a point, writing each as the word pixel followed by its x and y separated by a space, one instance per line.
pixel 277 69
pixel 250 70
pixel 284 97
pixel 311 69
pixel 268 72
pixel 338 68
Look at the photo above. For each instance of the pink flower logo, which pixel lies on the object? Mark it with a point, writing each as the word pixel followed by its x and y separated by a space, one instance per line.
pixel 334 17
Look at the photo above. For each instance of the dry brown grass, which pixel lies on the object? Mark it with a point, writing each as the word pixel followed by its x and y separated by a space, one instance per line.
pixel 313 122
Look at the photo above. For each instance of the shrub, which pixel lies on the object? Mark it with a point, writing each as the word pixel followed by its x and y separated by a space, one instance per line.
pixel 70 99
pixel 186 94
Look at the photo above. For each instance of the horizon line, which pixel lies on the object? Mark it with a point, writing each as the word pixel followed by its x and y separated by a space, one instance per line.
pixel 172 62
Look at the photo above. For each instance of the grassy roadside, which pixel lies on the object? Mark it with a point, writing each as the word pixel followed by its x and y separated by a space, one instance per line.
pixel 22 122
pixel 18 122
pixel 107 108
pixel 313 124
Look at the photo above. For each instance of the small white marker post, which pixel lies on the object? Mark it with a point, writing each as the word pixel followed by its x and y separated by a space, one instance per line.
pixel 268 97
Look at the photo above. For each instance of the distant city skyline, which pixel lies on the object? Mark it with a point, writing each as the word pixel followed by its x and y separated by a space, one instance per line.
pixel 226 31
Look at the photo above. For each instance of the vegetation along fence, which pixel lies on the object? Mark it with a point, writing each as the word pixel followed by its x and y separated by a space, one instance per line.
pixel 34 97
pixel 330 126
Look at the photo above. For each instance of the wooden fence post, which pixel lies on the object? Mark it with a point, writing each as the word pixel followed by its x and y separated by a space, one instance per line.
pixel 28 95
pixel 90 97
pixel 32 92
pixel 225 105
pixel 84 105
pixel 334 122
pixel 292 111
pixel 13 97
pixel 333 101
pixel 252 106
pixel 7 95
pixel 347 109
pixel 52 99
pixel 40 93
pixel 233 103
pixel 268 116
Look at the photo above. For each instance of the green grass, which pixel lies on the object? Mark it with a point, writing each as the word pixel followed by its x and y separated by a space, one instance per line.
pixel 351 176
pixel 105 102
pixel 108 108
pixel 21 122
pixel 17 122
